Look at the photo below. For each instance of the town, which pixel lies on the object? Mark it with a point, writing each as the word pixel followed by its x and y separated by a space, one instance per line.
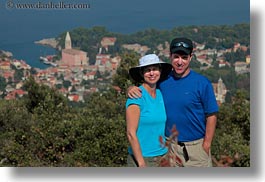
pixel 75 78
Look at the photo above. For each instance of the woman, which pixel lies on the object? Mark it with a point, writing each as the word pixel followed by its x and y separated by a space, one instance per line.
pixel 146 116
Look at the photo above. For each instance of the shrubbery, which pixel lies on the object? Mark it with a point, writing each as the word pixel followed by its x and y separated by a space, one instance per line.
pixel 36 135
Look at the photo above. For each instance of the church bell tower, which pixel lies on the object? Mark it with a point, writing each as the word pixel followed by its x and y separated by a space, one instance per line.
pixel 68 42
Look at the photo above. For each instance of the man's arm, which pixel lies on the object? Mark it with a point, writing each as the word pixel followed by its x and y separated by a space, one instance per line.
pixel 134 92
pixel 210 130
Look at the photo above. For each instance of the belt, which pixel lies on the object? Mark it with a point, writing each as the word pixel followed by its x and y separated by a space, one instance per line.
pixel 184 144
pixel 185 152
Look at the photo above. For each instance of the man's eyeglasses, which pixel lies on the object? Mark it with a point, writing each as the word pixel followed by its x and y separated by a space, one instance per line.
pixel 183 44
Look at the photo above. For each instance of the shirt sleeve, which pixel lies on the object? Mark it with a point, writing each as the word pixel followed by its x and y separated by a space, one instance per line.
pixel 133 101
pixel 209 101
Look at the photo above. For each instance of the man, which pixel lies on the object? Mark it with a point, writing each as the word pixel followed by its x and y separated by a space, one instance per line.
pixel 190 105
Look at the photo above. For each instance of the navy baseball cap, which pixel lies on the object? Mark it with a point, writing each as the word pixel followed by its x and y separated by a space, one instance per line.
pixel 181 45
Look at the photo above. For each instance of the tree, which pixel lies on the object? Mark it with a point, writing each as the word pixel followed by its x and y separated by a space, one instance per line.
pixel 122 78
pixel 232 135
pixel 2 83
pixel 43 98
pixel 18 73
pixel 66 83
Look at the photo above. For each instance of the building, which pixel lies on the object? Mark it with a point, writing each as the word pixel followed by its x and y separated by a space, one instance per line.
pixel 108 41
pixel 241 67
pixel 72 57
pixel 248 59
pixel 220 91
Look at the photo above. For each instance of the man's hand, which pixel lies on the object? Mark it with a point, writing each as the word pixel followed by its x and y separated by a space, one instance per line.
pixel 134 92
pixel 206 146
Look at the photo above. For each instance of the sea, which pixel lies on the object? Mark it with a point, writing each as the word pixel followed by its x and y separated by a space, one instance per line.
pixel 24 21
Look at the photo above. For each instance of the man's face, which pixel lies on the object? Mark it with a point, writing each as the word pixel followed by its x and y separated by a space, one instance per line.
pixel 180 63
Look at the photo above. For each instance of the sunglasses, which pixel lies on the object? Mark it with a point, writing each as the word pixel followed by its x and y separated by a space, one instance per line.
pixel 183 44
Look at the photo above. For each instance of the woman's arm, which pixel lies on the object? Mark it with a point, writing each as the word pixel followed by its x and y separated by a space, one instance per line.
pixel 132 120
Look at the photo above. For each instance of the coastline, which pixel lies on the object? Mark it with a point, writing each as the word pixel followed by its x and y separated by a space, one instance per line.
pixel 51 42
pixel 6 53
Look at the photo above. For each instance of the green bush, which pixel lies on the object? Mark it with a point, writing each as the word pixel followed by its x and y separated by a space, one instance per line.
pixel 233 131
pixel 37 132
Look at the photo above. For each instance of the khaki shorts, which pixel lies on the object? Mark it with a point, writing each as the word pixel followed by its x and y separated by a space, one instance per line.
pixel 149 161
pixel 196 154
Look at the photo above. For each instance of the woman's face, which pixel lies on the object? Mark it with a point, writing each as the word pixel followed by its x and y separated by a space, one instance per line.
pixel 151 74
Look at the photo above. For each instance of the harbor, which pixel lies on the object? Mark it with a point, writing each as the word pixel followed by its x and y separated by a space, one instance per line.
pixel 48 60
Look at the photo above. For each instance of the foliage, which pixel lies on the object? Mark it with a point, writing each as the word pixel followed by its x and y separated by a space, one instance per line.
pixel 42 131
pixel 19 73
pixel 2 83
pixel 122 77
pixel 239 55
pixel 43 98
pixel 101 143
pixel 233 130
pixel 15 125
pixel 232 81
